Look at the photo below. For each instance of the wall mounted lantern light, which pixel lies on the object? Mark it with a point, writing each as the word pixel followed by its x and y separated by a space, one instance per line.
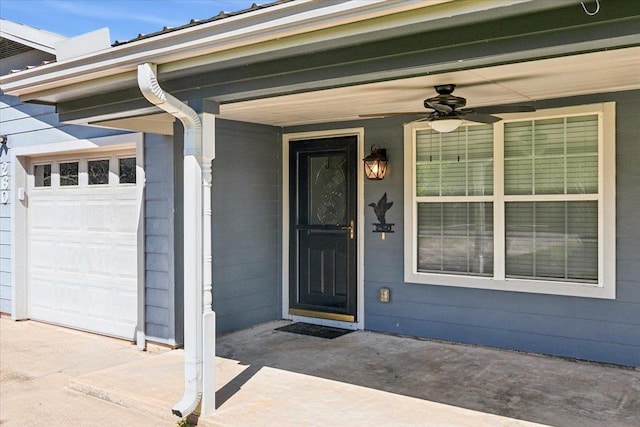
pixel 375 164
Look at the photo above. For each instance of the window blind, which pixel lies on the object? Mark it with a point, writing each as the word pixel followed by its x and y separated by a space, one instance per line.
pixel 552 156
pixel 552 240
pixel 455 238
pixel 458 163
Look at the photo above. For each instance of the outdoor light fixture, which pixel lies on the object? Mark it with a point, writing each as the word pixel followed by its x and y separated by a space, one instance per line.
pixel 375 164
pixel 446 124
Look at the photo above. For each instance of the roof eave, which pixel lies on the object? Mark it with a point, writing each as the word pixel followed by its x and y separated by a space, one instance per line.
pixel 285 24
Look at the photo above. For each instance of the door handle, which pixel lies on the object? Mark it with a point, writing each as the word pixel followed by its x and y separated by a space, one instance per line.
pixel 352 230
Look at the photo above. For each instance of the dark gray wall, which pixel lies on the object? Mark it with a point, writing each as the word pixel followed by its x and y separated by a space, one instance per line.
pixel 583 328
pixel 246 232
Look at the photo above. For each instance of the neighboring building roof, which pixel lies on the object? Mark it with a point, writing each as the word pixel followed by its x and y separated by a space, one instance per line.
pixel 18 38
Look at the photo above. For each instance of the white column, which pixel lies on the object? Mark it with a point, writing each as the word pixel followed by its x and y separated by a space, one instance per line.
pixel 208 403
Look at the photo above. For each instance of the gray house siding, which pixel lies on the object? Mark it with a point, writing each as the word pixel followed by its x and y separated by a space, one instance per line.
pixel 27 125
pixel 246 230
pixel 584 328
pixel 161 311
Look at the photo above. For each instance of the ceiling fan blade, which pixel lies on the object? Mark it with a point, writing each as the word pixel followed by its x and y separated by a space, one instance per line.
pixel 441 108
pixel 406 113
pixel 497 109
pixel 481 118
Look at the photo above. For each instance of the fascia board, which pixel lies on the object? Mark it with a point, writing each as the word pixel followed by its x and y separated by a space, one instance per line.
pixel 302 26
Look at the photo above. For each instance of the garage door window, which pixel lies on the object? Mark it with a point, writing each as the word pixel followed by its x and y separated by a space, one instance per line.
pixel 98 171
pixel 69 174
pixel 127 170
pixel 42 174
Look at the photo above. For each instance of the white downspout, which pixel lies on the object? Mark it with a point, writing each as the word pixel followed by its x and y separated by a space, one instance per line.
pixel 193 253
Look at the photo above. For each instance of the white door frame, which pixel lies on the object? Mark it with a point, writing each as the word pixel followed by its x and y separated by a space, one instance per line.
pixel 20 158
pixel 359 134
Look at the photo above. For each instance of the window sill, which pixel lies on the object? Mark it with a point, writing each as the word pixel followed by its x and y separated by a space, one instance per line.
pixel 514 285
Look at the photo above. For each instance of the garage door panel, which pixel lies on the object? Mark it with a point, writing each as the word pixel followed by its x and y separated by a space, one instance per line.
pixel 42 217
pixel 69 215
pixel 100 303
pixel 123 268
pixel 83 255
pixel 69 297
pixel 43 292
pixel 43 256
pixel 127 301
pixel 126 209
pixel 98 259
pixel 69 258
pixel 99 216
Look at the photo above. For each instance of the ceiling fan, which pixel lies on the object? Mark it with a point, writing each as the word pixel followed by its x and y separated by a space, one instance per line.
pixel 448 110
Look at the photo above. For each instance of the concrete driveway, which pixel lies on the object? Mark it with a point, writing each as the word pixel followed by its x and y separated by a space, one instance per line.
pixel 55 376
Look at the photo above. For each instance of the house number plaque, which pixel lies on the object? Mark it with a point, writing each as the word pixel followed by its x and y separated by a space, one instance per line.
pixel 4 183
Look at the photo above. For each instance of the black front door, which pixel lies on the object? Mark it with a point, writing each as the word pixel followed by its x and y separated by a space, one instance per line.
pixel 323 203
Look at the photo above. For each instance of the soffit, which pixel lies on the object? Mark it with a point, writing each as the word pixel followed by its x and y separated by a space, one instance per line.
pixel 527 82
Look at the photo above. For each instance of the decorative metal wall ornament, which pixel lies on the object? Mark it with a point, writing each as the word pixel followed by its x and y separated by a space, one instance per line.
pixel 380 210
pixel 3 144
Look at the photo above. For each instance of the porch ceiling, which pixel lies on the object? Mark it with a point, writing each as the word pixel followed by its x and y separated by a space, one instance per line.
pixel 527 82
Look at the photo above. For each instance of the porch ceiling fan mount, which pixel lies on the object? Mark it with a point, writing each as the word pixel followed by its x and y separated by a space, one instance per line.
pixel 447 110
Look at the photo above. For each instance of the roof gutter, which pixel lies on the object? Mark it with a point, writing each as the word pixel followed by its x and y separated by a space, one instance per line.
pixel 193 255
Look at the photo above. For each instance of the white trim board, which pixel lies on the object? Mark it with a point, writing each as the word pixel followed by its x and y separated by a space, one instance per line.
pixel 359 133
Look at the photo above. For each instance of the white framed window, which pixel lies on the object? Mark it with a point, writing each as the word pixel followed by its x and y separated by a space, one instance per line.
pixel 526 204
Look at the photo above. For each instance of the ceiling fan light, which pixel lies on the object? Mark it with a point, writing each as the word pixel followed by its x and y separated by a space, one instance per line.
pixel 445 125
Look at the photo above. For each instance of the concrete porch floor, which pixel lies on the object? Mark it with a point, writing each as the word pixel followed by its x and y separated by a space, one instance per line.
pixel 52 376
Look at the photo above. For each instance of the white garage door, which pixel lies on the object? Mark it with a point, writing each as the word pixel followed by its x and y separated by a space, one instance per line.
pixel 83 242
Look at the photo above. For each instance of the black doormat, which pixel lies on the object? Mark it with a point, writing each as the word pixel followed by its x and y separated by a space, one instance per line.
pixel 314 330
